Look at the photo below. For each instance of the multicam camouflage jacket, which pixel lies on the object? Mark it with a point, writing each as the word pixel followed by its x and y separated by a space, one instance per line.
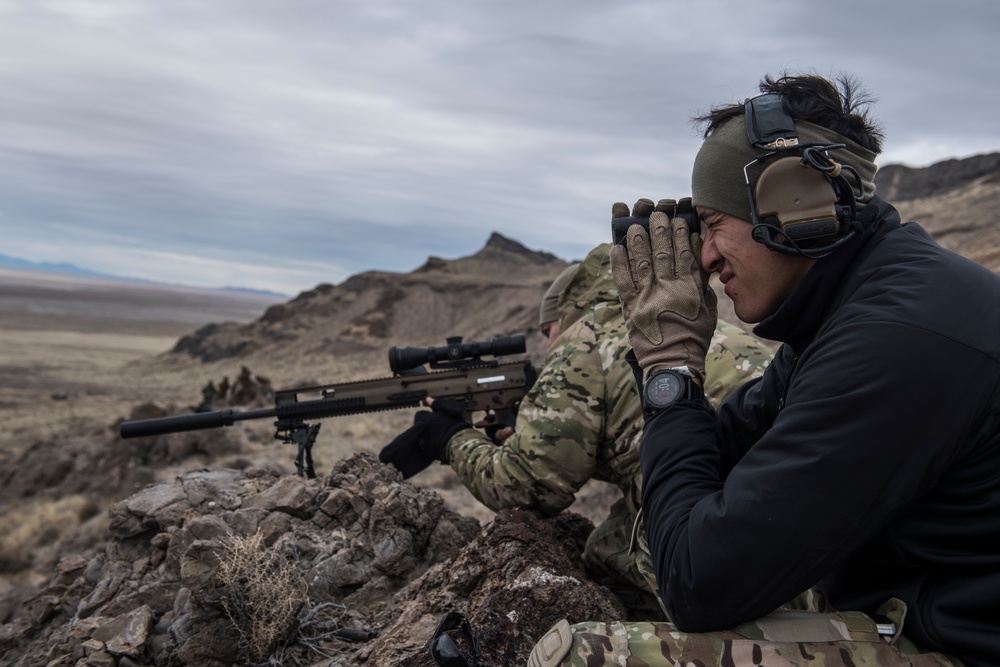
pixel 583 419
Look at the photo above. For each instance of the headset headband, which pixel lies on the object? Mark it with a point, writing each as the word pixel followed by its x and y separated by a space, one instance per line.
pixel 768 124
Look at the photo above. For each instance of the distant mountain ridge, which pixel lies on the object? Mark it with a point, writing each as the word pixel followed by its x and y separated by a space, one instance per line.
pixel 65 268
pixel 930 192
pixel 52 267
pixel 494 292
pixel 896 183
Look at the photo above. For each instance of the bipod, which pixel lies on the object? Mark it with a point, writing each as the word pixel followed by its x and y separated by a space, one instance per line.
pixel 304 435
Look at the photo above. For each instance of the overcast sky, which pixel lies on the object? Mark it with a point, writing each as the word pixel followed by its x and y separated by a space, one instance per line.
pixel 279 144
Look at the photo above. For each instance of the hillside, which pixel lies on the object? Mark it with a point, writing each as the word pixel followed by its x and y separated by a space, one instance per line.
pixel 954 200
pixel 350 326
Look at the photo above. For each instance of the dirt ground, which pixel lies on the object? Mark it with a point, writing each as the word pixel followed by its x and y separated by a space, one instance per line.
pixel 65 343
pixel 75 351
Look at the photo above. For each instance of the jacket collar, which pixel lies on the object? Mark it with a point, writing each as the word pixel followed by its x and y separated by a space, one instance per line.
pixel 798 319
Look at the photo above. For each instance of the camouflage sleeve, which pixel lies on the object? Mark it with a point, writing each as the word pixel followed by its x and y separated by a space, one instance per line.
pixel 554 448
pixel 734 357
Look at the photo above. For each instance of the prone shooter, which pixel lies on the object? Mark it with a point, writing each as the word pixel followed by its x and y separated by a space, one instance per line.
pixel 458 371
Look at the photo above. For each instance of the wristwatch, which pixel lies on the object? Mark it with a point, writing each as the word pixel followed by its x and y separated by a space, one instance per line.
pixel 665 388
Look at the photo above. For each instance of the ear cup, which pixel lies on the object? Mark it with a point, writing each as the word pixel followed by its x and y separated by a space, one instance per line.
pixel 799 200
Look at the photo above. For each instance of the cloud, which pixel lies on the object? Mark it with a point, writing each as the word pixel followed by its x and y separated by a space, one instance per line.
pixel 321 139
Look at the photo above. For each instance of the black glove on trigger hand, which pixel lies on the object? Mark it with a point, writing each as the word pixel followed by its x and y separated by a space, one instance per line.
pixel 496 421
pixel 427 440
pixel 405 453
pixel 441 423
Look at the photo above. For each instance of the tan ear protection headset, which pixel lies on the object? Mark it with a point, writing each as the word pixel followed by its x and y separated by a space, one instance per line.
pixel 802 203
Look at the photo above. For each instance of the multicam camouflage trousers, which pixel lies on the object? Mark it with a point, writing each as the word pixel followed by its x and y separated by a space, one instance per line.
pixel 611 560
pixel 785 637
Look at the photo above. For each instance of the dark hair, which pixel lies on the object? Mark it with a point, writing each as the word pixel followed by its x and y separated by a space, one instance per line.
pixel 839 105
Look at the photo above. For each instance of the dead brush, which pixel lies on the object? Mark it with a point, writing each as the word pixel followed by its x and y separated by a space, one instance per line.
pixel 262 593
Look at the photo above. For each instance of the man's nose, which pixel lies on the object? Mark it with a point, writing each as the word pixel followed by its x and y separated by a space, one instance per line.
pixel 711 259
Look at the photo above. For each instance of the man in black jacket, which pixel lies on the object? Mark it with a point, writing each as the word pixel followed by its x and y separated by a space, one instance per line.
pixel 865 464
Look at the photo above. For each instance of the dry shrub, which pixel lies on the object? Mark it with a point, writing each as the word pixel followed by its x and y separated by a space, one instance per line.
pixel 262 593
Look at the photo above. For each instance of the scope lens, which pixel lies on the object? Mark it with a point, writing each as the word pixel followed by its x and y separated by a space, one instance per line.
pixel 405 358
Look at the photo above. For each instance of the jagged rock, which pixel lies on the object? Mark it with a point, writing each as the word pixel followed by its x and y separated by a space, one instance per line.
pixel 126 634
pixel 363 563
pixel 154 595
pixel 519 577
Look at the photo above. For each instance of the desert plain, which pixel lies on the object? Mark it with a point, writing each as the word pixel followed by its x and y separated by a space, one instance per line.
pixel 66 342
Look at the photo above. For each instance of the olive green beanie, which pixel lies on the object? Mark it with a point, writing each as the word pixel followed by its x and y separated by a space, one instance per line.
pixel 718 181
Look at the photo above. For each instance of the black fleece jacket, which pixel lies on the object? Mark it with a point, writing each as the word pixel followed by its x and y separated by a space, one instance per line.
pixel 866 459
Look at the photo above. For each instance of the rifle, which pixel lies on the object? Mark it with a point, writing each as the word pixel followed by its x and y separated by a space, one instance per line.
pixel 458 372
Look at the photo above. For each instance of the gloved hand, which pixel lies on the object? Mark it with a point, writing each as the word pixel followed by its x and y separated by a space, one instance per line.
pixel 669 307
pixel 499 425
pixel 427 440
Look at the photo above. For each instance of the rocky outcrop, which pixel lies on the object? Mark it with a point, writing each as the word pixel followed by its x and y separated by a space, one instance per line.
pixel 516 580
pixel 225 567
pixel 467 296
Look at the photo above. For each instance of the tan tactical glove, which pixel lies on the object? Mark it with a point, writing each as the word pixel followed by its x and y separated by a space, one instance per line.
pixel 669 307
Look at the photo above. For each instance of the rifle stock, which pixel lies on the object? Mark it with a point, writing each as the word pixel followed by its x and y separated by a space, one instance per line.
pixel 482 385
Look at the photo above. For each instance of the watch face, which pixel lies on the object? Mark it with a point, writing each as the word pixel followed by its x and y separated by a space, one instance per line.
pixel 663 390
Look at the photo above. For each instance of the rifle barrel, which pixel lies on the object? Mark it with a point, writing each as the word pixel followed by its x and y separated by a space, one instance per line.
pixel 191 422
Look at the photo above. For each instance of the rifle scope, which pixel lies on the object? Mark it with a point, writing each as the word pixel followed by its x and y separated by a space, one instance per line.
pixel 406 358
